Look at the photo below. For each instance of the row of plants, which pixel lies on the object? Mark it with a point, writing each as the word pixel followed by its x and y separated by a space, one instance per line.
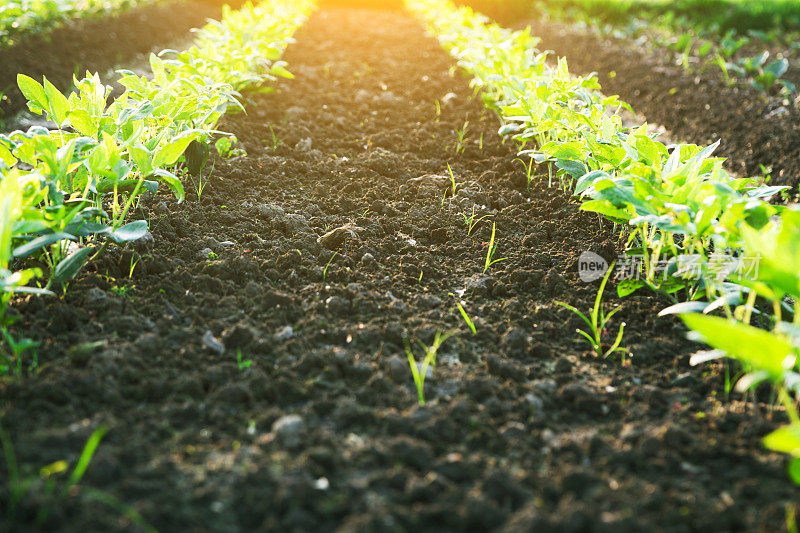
pixel 711 242
pixel 66 193
pixel 716 16
pixel 697 44
pixel 20 17
pixel 699 34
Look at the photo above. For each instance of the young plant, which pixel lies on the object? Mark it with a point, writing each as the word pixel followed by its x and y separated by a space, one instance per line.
pixel 461 137
pixel 242 363
pixel 327 266
pixel 48 487
pixel 419 371
pixel 490 260
pixel 597 321
pixel 466 318
pixel 470 221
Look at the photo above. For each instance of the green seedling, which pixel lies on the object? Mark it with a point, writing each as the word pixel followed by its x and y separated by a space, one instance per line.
pixel 453 184
pixel 490 260
pixel 48 487
pixel 466 318
pixel 241 363
pixel 461 137
pixel 327 266
pixel 213 256
pixel 470 221
pixel 275 141
pixel 12 358
pixel 597 321
pixel 419 371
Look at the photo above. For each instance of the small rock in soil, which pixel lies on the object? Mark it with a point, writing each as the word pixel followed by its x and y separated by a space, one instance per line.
pixel 271 210
pixel 563 366
pixel 213 343
pixel 290 430
pixel 303 145
pixel 238 336
pixel 296 223
pixel 368 261
pixel 516 342
pixel 95 295
pixel 336 237
pixel 285 333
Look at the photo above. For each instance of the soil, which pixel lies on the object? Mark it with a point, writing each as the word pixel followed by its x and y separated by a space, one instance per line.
pixel 334 239
pixel 97 44
pixel 697 106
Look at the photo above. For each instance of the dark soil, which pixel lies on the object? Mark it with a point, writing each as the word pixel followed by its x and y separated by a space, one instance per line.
pixel 756 128
pixel 97 44
pixel 524 429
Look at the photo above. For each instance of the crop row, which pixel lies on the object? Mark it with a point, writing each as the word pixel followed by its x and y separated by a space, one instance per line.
pixel 710 241
pixel 19 17
pixel 66 193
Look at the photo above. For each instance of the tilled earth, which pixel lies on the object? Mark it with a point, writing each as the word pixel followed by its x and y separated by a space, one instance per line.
pixel 315 256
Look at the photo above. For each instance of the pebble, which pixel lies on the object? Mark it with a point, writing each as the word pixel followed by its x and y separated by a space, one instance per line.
pixel 368 261
pixel 296 223
pixel 285 333
pixel 213 343
pixel 303 145
pixel 289 430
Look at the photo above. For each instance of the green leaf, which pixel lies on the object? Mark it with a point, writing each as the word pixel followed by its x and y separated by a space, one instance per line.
pixel 605 208
pixel 629 286
pixel 40 242
pixel 82 121
pixel 57 104
pixel 760 349
pixel 785 439
pixel 172 182
pixel 34 92
pixel 168 154
pixel 130 232
pixel 70 266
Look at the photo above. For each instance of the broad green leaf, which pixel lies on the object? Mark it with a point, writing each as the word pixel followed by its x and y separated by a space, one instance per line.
pixel 57 103
pixel 40 242
pixel 760 349
pixel 132 231
pixel 606 209
pixel 169 153
pixel 34 92
pixel 785 439
pixel 83 122
pixel 629 286
pixel 70 266
pixel 172 182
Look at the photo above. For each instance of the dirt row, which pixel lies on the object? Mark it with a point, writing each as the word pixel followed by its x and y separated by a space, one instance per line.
pixel 97 44
pixel 312 260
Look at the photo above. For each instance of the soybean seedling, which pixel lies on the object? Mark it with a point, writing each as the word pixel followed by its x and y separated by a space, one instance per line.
pixel 490 252
pixel 597 321
pixel 419 371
